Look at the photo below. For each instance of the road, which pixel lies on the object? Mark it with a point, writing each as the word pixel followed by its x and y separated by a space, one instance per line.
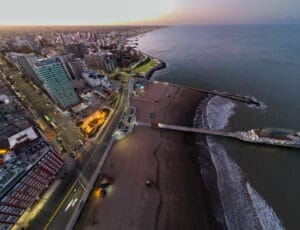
pixel 40 105
pixel 59 209
pixel 62 215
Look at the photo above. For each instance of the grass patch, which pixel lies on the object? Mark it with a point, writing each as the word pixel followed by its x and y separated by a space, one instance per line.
pixel 114 101
pixel 146 66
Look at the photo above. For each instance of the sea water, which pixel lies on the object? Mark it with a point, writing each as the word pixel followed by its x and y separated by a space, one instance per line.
pixel 258 185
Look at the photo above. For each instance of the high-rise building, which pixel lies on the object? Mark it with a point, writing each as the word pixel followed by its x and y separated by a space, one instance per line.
pixel 106 61
pixel 109 63
pixel 78 49
pixel 74 66
pixel 78 67
pixel 31 41
pixel 64 60
pixel 94 60
pixel 27 62
pixel 56 81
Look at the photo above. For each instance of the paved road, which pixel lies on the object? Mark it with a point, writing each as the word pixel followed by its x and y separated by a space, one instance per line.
pixel 61 217
pixel 40 105
pixel 65 200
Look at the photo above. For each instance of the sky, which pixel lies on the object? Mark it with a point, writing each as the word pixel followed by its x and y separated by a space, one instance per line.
pixel 120 12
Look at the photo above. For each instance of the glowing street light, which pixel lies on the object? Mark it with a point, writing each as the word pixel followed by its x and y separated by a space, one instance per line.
pixel 118 134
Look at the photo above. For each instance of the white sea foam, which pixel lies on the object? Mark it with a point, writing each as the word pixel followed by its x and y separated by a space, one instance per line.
pixel 218 112
pixel 270 220
pixel 243 207
pixel 237 207
pixel 262 106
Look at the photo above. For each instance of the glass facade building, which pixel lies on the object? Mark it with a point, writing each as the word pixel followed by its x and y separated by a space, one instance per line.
pixel 56 81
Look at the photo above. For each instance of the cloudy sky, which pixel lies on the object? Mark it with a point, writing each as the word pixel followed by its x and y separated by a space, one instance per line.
pixel 106 12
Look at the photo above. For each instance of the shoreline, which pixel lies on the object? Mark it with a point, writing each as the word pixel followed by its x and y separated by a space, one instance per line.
pixel 236 97
pixel 179 198
pixel 208 172
pixel 174 204
pixel 149 73
pixel 160 66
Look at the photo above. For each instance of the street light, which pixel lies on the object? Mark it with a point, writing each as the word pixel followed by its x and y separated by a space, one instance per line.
pixel 118 134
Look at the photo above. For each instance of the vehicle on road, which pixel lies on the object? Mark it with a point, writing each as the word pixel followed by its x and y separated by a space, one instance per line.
pixel 105 182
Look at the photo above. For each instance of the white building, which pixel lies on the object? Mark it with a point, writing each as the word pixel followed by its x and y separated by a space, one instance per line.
pixel 26 135
pixel 93 78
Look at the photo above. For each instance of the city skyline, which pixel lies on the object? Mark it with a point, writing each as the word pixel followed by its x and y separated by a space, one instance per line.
pixel 143 115
pixel 134 12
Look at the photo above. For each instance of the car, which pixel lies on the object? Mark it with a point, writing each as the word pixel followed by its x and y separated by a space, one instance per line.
pixel 152 115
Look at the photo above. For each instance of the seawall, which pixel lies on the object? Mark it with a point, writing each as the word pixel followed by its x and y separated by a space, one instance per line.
pixel 158 67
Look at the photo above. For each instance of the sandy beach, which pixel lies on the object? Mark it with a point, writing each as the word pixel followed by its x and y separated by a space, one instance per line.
pixel 178 198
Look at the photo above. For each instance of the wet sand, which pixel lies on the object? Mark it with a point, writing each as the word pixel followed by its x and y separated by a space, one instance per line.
pixel 178 199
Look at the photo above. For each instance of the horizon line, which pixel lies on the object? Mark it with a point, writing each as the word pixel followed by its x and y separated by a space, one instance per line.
pixel 150 25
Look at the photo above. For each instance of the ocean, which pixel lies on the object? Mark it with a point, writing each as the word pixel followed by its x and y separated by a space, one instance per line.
pixel 258 185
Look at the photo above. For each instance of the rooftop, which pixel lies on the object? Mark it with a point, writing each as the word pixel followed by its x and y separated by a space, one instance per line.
pixel 20 137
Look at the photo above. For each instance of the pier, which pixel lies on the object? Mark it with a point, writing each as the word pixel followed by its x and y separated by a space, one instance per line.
pixel 190 129
pixel 231 96
pixel 236 135
pixel 243 99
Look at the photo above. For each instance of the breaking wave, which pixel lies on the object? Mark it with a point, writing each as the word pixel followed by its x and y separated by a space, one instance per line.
pixel 218 112
pixel 243 207
pixel 270 220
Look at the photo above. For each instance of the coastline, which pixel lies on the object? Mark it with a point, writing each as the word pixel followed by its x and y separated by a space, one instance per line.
pixel 158 67
pixel 175 161
pixel 179 198
pixel 207 167
pixel 182 197
pixel 251 101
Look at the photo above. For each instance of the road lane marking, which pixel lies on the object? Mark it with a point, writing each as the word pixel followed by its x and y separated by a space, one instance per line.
pixel 96 150
pixel 74 202
pixel 66 209
pixel 60 206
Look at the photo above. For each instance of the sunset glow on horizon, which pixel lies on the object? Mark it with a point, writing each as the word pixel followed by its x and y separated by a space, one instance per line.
pixel 123 12
pixel 90 12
